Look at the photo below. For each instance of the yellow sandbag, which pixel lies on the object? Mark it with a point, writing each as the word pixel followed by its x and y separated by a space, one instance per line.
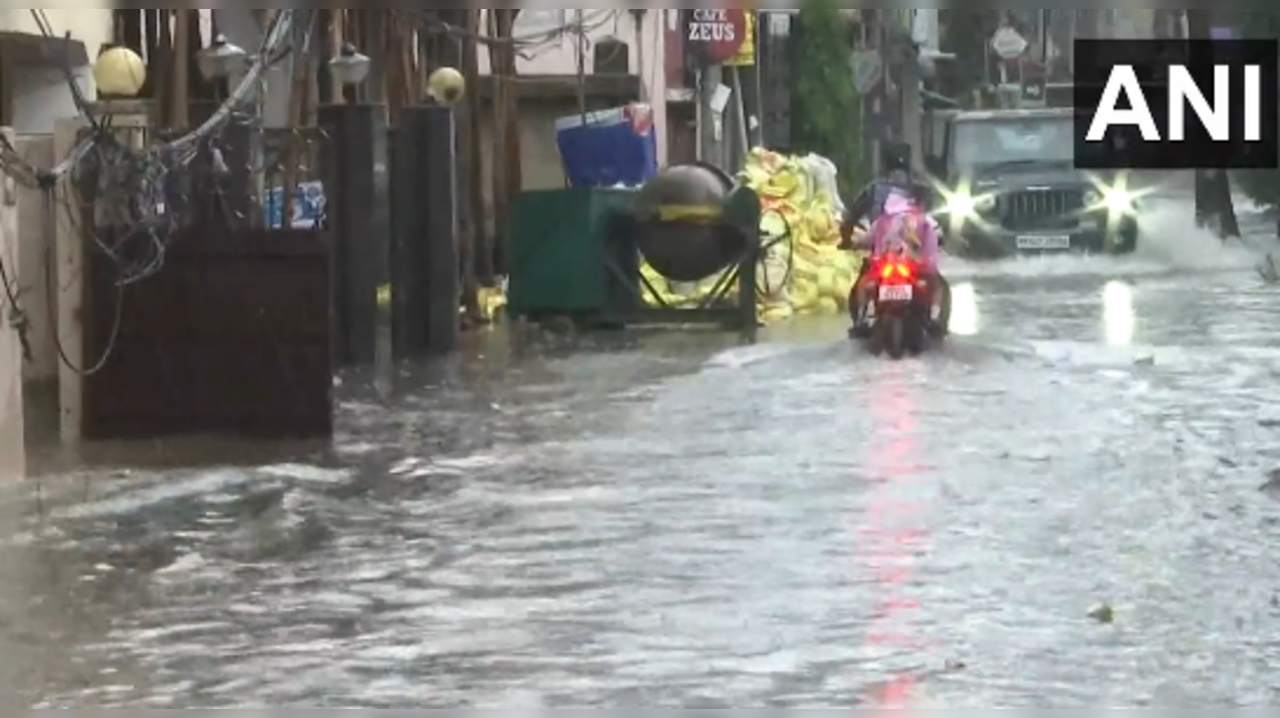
pixel 774 313
pixel 828 281
pixel 827 307
pixel 804 296
pixel 774 224
pixel 492 301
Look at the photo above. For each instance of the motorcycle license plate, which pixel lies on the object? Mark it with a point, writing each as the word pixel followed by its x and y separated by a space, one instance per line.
pixel 897 293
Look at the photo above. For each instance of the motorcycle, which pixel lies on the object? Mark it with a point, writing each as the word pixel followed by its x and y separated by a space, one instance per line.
pixel 899 314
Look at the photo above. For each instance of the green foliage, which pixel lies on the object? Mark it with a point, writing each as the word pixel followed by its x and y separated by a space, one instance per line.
pixel 1262 186
pixel 826 107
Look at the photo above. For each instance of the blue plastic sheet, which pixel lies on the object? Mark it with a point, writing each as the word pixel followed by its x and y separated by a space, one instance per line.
pixel 613 147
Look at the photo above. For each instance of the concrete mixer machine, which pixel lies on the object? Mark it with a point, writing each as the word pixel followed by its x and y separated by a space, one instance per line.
pixel 577 252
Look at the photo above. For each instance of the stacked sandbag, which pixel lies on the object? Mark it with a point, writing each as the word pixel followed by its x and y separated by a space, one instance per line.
pixel 803 273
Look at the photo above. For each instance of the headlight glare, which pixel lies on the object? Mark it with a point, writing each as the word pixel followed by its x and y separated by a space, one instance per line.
pixel 1119 201
pixel 963 205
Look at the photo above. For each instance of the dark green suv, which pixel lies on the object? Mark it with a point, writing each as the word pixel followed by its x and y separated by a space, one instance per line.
pixel 1010 187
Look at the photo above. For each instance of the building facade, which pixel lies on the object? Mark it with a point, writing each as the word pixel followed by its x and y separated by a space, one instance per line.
pixel 557 54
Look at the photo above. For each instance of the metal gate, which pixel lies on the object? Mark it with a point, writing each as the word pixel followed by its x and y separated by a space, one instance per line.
pixel 231 337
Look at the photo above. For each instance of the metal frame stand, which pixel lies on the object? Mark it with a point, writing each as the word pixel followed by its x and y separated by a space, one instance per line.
pixel 742 215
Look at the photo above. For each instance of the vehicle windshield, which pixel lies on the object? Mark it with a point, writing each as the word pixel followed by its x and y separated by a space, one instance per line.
pixel 983 144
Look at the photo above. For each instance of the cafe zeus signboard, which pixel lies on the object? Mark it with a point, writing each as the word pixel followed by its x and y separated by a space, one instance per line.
pixel 719 36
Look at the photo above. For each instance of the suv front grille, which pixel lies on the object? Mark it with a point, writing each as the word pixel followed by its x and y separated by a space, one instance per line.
pixel 1041 209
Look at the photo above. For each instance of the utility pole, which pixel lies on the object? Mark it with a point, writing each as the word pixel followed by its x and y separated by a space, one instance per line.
pixel 902 54
pixel 712 130
pixel 637 17
pixel 1212 186
pixel 179 113
pixel 912 111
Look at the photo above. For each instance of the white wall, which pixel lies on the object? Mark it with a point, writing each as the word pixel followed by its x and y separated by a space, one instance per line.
pixel 40 95
pixel 89 23
pixel 558 57
pixel 32 276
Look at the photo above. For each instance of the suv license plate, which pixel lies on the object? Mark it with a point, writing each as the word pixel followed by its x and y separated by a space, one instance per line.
pixel 1044 242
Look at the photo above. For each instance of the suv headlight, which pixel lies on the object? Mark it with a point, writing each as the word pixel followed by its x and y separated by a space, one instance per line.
pixel 1120 201
pixel 963 205
pixel 1117 201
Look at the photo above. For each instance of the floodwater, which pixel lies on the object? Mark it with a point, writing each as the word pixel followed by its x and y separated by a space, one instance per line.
pixel 688 523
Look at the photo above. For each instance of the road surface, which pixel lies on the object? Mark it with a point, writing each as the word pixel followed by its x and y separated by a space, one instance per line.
pixel 685 523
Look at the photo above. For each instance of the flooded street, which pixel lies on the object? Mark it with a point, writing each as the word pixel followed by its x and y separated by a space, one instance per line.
pixel 688 523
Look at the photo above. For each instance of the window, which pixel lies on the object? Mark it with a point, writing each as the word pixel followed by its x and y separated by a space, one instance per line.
pixel 1039 139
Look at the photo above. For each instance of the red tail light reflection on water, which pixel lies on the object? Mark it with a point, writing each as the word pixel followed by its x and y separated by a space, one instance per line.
pixel 892 534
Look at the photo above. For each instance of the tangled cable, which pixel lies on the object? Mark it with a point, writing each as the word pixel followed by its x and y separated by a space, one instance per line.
pixel 527 45
pixel 137 192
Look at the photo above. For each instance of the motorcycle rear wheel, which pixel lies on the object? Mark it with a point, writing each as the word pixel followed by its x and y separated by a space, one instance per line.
pixel 894 336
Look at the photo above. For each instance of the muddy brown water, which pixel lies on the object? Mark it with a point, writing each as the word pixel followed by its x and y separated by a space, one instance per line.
pixel 676 521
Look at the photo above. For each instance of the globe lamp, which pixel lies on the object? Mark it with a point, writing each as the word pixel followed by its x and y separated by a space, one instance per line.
pixel 119 72
pixel 351 66
pixel 221 59
pixel 446 86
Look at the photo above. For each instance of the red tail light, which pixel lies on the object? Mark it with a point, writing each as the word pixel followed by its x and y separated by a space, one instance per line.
pixel 897 272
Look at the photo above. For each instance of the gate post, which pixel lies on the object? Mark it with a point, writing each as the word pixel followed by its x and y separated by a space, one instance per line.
pixel 426 289
pixel 354 165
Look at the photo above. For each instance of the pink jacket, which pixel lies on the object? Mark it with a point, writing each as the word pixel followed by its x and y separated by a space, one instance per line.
pixel 902 223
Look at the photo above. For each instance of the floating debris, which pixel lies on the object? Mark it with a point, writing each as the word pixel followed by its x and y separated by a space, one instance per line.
pixel 1272 487
pixel 1103 614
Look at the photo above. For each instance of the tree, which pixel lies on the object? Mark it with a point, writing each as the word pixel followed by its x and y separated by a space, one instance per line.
pixel 826 106
pixel 1262 186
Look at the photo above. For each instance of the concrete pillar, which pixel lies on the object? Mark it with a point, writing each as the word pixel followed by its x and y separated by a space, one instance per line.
pixel 13 463
pixel 712 138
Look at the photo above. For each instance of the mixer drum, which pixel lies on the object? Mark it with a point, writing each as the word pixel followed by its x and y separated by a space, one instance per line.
pixel 687 250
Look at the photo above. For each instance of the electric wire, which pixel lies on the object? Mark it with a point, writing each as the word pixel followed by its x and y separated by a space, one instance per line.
pixel 143 186
pixel 137 184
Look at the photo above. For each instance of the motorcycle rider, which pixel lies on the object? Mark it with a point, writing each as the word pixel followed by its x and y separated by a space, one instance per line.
pixel 904 222
pixel 870 201
pixel 869 204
